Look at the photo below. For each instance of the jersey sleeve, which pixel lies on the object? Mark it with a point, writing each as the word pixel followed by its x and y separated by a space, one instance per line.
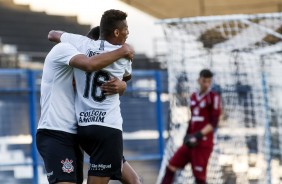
pixel 128 69
pixel 63 53
pixel 215 110
pixel 73 39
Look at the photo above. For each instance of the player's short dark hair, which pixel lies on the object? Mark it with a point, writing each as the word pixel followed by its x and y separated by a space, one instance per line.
pixel 94 33
pixel 206 73
pixel 110 21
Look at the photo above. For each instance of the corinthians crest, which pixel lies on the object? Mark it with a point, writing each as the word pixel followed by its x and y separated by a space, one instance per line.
pixel 67 165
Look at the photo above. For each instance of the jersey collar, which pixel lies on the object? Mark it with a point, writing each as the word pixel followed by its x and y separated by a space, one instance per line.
pixel 199 97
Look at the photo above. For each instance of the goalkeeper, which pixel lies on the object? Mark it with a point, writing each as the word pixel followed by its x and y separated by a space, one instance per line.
pixel 197 147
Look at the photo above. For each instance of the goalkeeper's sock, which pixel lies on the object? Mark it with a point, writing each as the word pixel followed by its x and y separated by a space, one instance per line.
pixel 200 181
pixel 168 177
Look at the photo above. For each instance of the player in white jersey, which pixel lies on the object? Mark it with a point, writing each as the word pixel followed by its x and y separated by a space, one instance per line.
pixel 56 136
pixel 98 115
pixel 129 175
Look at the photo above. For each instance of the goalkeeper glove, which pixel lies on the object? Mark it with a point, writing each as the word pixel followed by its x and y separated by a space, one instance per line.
pixel 192 140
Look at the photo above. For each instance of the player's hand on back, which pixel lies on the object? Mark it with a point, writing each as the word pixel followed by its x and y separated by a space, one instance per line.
pixel 129 51
pixel 113 86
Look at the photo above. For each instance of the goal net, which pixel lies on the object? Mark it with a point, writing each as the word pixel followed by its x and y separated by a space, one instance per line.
pixel 245 54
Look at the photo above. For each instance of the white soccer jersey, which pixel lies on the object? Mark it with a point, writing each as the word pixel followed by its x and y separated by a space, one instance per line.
pixel 57 93
pixel 92 106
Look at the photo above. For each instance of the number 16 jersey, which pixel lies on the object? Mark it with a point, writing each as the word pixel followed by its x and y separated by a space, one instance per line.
pixel 91 105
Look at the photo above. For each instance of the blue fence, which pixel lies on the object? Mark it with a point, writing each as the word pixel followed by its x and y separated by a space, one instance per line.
pixel 144 114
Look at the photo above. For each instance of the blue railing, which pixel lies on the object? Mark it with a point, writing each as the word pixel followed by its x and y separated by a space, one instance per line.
pixel 16 82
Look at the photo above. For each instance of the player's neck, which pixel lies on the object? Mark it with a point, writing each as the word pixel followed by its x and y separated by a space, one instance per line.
pixel 111 40
pixel 203 91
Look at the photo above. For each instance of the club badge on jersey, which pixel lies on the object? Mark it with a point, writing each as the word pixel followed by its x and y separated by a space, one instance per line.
pixel 67 165
pixel 203 104
pixel 196 111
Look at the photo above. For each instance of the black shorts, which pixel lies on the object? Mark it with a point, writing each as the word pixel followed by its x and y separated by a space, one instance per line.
pixel 62 156
pixel 119 178
pixel 104 146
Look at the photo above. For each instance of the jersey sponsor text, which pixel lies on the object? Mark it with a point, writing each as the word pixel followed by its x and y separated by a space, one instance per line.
pixel 92 116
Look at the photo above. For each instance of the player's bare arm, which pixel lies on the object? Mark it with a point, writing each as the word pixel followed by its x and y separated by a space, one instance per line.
pixel 55 36
pixel 111 87
pixel 98 62
pixel 207 129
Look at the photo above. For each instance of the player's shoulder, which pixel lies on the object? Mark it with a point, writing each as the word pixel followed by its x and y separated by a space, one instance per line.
pixel 61 51
pixel 62 46
pixel 76 40
pixel 213 93
pixel 109 47
pixel 58 49
pixel 67 35
pixel 214 96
